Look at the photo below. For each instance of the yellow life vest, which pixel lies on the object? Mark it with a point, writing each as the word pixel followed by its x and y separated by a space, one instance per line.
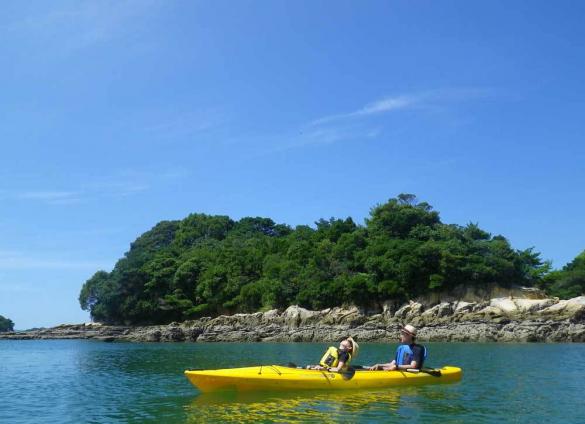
pixel 331 358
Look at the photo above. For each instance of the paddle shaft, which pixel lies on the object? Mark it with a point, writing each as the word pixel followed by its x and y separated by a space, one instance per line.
pixel 431 371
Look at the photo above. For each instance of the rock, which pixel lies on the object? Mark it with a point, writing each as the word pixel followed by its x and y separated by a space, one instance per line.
pixel 153 336
pixel 388 309
pixel 408 312
pixel 490 312
pixel 572 309
pixel 172 334
pixel 271 316
pixel 463 307
pixel 192 333
pixel 351 317
pixel 504 305
pixel 439 311
pixel 295 316
pixel 478 294
pixel 504 319
pixel 305 335
pixel 518 307
pixel 529 306
pixel 533 293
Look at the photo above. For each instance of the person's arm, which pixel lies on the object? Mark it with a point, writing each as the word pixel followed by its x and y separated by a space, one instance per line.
pixel 413 364
pixel 338 367
pixel 315 367
pixel 387 367
pixel 343 358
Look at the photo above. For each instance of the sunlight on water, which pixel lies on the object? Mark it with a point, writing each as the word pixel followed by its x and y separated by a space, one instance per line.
pixel 297 407
pixel 73 381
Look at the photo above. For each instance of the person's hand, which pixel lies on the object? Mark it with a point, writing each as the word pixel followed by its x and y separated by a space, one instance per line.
pixel 373 367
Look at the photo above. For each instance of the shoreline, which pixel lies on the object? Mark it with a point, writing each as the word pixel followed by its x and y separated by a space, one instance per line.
pixel 504 319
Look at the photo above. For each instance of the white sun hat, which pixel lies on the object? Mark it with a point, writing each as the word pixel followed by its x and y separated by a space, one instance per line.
pixel 409 329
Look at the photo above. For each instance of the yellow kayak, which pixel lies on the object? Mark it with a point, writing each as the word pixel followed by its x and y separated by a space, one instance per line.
pixel 276 377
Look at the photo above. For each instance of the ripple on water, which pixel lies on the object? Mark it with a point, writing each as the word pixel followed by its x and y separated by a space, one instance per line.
pixel 83 381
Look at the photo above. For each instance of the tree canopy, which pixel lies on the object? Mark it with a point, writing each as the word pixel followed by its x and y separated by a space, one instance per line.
pixel 209 265
pixel 6 324
pixel 569 281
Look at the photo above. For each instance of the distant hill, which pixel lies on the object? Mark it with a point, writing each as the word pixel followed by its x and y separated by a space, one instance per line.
pixel 210 265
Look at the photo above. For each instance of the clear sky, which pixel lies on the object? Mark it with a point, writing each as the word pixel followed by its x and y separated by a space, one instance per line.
pixel 115 115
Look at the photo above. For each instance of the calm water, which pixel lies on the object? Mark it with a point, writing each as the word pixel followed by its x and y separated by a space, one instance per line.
pixel 58 381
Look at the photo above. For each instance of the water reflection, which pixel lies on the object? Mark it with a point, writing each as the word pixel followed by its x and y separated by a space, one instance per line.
pixel 326 407
pixel 75 381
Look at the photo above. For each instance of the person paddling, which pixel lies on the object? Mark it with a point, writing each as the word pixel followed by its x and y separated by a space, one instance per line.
pixel 338 359
pixel 409 355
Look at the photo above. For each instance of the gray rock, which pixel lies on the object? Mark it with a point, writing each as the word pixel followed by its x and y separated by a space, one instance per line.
pixel 503 319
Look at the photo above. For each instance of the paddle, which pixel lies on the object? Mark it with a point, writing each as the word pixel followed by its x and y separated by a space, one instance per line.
pixel 345 374
pixel 430 371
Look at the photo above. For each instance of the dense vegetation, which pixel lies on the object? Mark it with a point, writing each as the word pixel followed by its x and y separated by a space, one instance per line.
pixel 6 324
pixel 207 265
pixel 567 282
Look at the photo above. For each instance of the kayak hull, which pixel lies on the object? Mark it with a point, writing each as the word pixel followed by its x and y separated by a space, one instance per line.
pixel 278 378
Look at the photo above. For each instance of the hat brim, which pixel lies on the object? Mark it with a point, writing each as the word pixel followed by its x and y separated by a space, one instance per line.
pixel 405 331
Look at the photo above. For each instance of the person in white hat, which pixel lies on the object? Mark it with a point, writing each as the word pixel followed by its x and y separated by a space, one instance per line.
pixel 409 355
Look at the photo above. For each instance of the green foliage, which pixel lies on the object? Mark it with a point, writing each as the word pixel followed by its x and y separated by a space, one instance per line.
pixel 568 282
pixel 209 265
pixel 6 324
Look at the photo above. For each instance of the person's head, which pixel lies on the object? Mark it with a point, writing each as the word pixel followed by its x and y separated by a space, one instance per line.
pixel 408 334
pixel 350 345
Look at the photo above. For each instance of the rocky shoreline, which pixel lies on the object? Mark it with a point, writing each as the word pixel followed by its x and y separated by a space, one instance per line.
pixel 502 319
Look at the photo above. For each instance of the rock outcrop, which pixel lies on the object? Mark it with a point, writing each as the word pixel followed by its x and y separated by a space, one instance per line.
pixel 503 319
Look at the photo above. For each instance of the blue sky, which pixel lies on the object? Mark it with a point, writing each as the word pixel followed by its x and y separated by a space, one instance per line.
pixel 118 114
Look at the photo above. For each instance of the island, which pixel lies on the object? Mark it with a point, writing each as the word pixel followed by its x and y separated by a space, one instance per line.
pixel 212 278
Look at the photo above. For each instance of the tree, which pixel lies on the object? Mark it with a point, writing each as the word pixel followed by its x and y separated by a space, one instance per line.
pixel 569 281
pixel 397 217
pixel 6 324
pixel 99 295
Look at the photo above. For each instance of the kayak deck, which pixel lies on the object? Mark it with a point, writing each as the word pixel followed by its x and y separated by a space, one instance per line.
pixel 276 377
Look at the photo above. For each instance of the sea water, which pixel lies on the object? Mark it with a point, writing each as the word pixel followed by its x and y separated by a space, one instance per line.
pixel 81 381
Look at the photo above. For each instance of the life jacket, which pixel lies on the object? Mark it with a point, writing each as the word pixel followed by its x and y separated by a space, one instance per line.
pixel 331 358
pixel 405 355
